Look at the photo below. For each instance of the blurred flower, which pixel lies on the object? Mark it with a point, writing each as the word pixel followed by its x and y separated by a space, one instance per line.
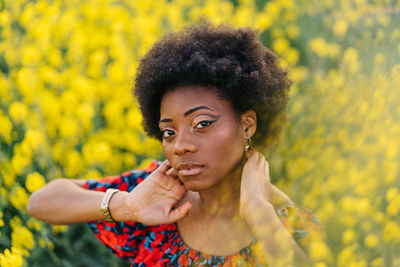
pixel 340 28
pixel 19 198
pixel 34 181
pixel 22 239
pixel 11 258
pixel 371 240
pixel 350 58
pixel 348 236
pixel 18 111
pixel 6 127
pixel 1 219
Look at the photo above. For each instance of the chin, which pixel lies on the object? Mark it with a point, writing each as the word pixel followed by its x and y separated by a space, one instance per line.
pixel 197 185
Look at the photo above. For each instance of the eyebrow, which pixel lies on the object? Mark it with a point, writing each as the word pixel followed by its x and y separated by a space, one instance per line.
pixel 190 111
pixel 187 113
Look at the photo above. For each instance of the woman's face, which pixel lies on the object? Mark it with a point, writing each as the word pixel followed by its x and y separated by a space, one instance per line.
pixel 202 137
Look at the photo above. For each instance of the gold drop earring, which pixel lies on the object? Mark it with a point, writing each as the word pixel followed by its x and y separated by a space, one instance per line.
pixel 248 146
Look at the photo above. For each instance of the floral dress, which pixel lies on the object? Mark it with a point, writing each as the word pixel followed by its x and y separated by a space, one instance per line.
pixel 161 245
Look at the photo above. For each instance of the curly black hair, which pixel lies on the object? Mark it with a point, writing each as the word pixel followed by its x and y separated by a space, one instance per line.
pixel 232 61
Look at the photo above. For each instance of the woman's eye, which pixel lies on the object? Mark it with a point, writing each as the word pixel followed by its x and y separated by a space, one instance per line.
pixel 203 124
pixel 166 133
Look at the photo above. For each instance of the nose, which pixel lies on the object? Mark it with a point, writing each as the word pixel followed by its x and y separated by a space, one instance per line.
pixel 184 143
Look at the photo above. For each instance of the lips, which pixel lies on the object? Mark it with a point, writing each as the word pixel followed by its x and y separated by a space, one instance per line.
pixel 189 169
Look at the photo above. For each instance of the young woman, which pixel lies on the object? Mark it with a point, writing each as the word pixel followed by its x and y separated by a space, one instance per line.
pixel 208 93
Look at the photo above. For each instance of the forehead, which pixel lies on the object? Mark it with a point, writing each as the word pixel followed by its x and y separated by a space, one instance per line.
pixel 179 100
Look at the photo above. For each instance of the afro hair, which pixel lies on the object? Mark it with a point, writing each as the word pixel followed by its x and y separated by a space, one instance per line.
pixel 232 61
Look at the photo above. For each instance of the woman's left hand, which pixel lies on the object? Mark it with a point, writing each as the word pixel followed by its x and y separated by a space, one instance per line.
pixel 278 246
pixel 255 185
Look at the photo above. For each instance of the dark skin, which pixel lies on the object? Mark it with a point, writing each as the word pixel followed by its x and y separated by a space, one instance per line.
pixel 201 131
pixel 220 197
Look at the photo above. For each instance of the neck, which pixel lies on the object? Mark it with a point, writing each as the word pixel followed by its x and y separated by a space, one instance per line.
pixel 222 200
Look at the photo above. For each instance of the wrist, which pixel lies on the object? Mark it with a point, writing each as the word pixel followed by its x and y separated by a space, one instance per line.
pixel 118 208
pixel 256 210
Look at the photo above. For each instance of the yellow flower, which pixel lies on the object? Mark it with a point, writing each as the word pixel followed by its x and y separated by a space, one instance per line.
pixel 383 20
pixel 379 59
pixel 34 139
pixel 54 57
pixel 6 127
pixel 348 236
pixel 73 163
pixel 96 152
pixel 30 56
pixel 22 238
pixel 391 232
pixel 27 83
pixel 34 181
pixel 333 51
pixel 319 250
pixel 33 223
pixel 19 198
pixel 19 162
pixel 292 56
pixel 1 219
pixel 393 208
pixel 371 240
pixel 280 45
pixel 92 174
pixel 7 174
pixel 18 111
pixel 263 22
pixel 299 74
pixel 378 262
pixel 350 58
pixel 293 31
pixel 59 228
pixel 277 33
pixel 69 128
pixel 134 120
pixel 85 113
pixel 319 46
pixel 11 258
pixel 346 256
pixel 340 28
pixel 392 193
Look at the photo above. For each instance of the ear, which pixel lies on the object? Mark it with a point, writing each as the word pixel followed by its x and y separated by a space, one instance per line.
pixel 249 123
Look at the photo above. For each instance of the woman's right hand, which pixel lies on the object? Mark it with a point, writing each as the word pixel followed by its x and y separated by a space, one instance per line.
pixel 153 201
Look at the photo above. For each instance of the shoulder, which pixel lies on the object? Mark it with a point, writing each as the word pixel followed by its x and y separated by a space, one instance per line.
pixel 279 199
pixel 125 181
pixel 303 225
pixel 298 217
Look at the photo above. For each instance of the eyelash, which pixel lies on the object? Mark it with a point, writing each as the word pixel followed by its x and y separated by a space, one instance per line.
pixel 165 131
pixel 204 121
pixel 171 132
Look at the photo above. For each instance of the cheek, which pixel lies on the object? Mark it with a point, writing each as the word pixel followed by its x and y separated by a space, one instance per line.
pixel 167 150
pixel 227 143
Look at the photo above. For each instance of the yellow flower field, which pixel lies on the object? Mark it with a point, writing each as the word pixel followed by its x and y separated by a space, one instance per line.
pixel 66 110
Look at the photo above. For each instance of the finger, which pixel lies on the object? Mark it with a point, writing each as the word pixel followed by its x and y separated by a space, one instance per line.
pixel 177 190
pixel 179 212
pixel 165 165
pixel 250 153
pixel 266 166
pixel 169 172
pixel 252 161
pixel 172 172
